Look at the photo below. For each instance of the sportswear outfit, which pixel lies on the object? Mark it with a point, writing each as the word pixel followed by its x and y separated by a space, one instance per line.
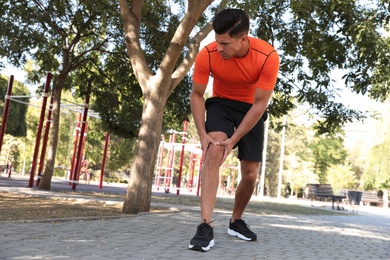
pixel 234 86
pixel 235 82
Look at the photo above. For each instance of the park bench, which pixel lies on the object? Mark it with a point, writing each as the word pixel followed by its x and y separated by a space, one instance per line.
pixel 369 198
pixel 312 191
pixel 324 192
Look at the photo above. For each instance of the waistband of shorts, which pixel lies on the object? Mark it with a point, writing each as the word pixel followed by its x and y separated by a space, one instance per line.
pixel 229 102
pixel 233 103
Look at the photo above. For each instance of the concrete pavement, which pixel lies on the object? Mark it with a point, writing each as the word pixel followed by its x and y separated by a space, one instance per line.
pixel 166 236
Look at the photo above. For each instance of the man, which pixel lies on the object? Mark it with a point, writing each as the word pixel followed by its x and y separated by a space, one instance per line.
pixel 244 71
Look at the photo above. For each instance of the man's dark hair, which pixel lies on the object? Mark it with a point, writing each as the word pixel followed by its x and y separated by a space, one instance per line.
pixel 232 21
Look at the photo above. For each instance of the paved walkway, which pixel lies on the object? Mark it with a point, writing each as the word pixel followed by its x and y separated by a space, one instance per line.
pixel 166 236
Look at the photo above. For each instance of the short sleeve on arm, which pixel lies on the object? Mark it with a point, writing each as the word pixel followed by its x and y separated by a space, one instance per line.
pixel 202 67
pixel 269 72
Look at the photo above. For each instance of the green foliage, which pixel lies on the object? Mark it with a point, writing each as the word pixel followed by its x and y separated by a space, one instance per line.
pixel 315 37
pixel 312 37
pixel 273 159
pixel 68 121
pixel 57 35
pixel 326 151
pixel 121 153
pixel 10 153
pixel 94 145
pixel 357 158
pixel 117 95
pixel 120 150
pixel 61 37
pixel 381 75
pixel 369 185
pixel 385 184
pixel 308 157
pixel 178 109
pixel 117 98
pixel 298 167
pixel 16 123
pixel 378 170
pixel 376 174
pixel 81 43
pixel 341 176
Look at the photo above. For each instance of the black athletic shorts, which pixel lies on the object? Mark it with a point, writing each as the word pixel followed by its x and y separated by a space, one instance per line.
pixel 225 115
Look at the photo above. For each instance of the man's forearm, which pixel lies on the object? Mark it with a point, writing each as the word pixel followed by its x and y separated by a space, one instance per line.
pixel 254 114
pixel 251 118
pixel 198 113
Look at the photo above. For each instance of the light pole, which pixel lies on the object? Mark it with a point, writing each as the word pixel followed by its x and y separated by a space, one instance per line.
pixel 282 156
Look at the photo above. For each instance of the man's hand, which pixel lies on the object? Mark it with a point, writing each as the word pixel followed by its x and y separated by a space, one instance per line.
pixel 228 145
pixel 205 141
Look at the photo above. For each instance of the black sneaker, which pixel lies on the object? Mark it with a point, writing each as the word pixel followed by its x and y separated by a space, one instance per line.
pixel 241 230
pixel 203 239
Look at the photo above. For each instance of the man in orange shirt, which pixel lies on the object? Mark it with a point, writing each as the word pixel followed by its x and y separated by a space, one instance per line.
pixel 244 70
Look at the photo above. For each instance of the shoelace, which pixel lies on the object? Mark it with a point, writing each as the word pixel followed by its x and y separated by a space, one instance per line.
pixel 242 222
pixel 209 222
pixel 203 225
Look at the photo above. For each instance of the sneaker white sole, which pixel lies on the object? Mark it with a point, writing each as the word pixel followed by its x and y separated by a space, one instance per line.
pixel 200 248
pixel 236 234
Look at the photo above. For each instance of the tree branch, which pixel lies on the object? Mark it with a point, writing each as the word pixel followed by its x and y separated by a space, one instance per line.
pixel 181 35
pixel 132 23
pixel 193 49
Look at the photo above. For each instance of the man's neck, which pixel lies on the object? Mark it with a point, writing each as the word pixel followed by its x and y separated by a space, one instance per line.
pixel 245 49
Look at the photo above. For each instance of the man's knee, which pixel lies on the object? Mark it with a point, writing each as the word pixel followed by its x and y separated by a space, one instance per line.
pixel 214 152
pixel 250 176
pixel 249 171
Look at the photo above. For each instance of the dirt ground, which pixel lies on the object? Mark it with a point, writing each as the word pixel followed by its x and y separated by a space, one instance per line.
pixel 15 206
pixel 22 207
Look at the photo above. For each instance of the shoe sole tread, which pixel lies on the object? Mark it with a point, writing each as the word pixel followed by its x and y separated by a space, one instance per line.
pixel 239 235
pixel 200 248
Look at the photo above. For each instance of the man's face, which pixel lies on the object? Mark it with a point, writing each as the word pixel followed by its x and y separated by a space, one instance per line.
pixel 230 47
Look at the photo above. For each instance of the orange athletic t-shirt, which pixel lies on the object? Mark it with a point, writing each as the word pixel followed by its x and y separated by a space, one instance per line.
pixel 238 78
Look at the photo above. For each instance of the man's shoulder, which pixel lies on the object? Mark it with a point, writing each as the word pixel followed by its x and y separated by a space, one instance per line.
pixel 211 47
pixel 261 45
pixel 207 51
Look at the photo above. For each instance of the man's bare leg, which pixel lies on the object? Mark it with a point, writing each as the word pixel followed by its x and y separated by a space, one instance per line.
pixel 237 226
pixel 204 236
pixel 249 171
pixel 210 177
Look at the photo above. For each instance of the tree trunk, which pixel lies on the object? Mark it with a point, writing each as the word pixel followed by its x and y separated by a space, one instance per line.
pixel 138 195
pixel 52 147
pixel 156 89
